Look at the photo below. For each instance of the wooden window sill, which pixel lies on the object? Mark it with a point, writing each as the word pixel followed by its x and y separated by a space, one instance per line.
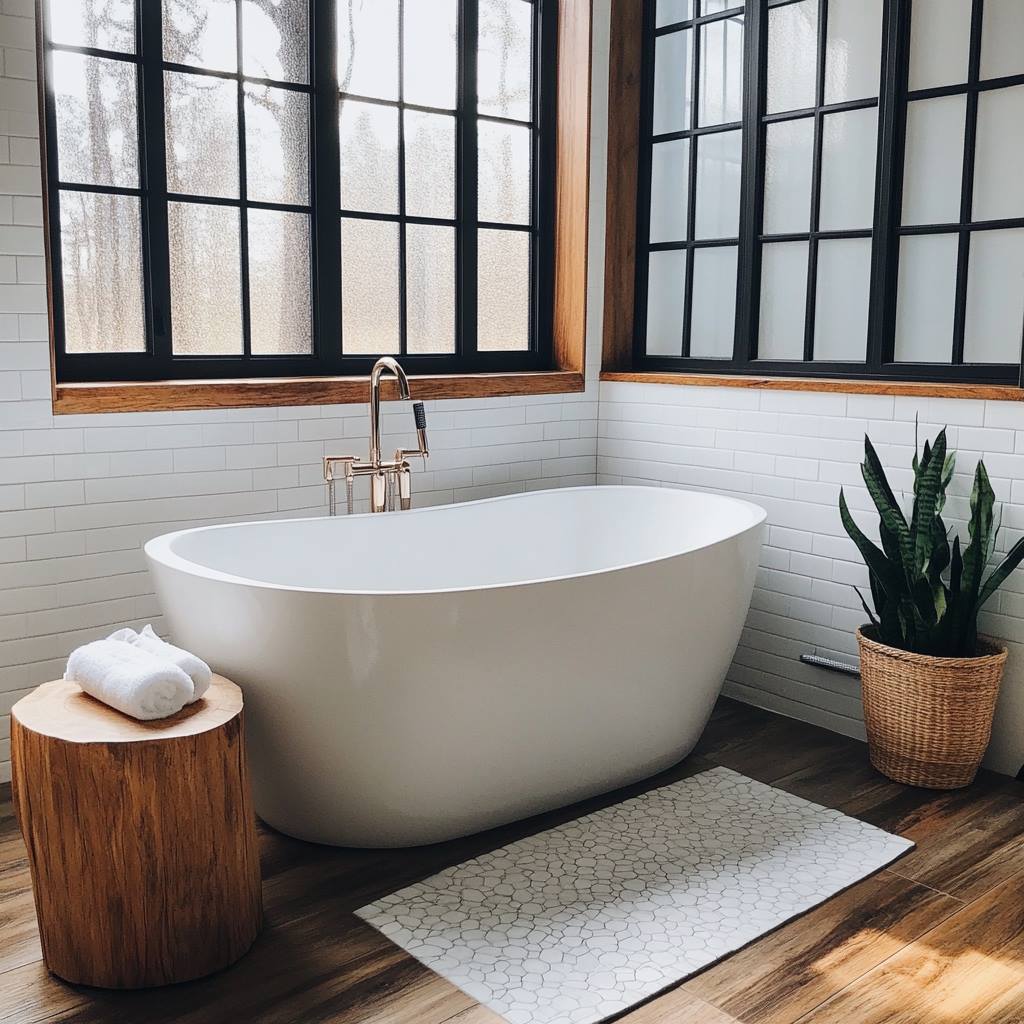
pixel 161 396
pixel 909 389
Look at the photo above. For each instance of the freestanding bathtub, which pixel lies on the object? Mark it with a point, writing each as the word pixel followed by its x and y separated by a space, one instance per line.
pixel 416 676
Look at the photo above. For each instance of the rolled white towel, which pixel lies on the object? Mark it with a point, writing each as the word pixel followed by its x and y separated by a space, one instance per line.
pixel 129 679
pixel 195 668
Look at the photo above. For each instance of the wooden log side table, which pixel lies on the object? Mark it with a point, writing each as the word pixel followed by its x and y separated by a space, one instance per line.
pixel 141 836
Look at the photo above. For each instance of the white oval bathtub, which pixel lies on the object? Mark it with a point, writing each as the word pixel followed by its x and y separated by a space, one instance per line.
pixel 415 676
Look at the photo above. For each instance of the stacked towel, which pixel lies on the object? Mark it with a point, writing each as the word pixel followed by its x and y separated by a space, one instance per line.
pixel 129 679
pixel 139 674
pixel 195 668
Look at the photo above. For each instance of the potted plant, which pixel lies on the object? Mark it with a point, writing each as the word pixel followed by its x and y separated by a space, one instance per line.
pixel 929 681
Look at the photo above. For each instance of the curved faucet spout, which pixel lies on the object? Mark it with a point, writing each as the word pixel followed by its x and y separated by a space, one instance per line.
pixel 387 363
pixel 383 365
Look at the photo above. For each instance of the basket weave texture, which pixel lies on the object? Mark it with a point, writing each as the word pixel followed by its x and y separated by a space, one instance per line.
pixel 929 719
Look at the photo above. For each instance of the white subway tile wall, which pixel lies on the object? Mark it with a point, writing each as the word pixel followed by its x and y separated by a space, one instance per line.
pixel 790 452
pixel 79 495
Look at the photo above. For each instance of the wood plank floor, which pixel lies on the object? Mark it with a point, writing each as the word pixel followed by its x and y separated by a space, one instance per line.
pixel 938 938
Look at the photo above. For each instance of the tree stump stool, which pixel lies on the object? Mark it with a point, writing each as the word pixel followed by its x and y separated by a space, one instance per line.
pixel 141 836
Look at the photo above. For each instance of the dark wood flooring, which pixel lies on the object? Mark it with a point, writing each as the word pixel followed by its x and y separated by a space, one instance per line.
pixel 938 938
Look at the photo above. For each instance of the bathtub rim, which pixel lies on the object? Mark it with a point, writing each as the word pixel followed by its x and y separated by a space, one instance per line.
pixel 160 549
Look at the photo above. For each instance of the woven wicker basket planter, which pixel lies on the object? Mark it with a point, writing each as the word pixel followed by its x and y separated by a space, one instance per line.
pixel 929 719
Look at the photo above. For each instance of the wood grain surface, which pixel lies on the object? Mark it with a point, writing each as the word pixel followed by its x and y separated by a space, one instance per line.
pixel 140 836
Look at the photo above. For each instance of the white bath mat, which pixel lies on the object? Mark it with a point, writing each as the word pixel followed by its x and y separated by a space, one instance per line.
pixel 579 923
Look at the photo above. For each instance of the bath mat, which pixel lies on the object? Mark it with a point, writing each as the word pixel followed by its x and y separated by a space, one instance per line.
pixel 578 924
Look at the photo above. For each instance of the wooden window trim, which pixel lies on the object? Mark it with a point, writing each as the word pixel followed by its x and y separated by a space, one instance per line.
pixel 835 385
pixel 569 315
pixel 624 139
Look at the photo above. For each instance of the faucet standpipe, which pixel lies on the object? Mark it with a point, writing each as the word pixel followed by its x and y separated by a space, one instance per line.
pixel 388 480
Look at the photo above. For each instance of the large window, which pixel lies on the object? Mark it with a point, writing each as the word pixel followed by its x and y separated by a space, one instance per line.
pixel 263 188
pixel 832 188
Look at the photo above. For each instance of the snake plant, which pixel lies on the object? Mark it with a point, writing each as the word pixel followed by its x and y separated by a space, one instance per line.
pixel 926 592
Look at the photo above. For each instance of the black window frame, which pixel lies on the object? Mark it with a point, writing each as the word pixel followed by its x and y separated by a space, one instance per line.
pixel 892 103
pixel 158 363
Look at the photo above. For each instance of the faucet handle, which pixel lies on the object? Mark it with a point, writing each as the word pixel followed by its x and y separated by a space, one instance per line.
pixel 329 462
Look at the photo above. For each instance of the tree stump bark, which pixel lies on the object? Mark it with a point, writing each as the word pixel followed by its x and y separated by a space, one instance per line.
pixel 141 836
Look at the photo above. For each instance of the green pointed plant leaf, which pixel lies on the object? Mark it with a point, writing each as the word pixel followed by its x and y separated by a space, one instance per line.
pixel 923 522
pixel 1001 573
pixel 888 578
pixel 867 611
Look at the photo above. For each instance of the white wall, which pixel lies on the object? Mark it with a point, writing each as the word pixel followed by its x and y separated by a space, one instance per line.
pixel 790 452
pixel 79 495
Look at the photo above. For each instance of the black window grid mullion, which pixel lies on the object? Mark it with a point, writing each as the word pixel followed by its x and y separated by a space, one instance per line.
pixel 325 187
pixel 542 183
pixel 51 200
pixel 752 159
pixel 967 183
pixel 153 167
pixel 811 297
pixel 243 193
pixel 467 205
pixel 403 313
pixel 691 194
pixel 885 253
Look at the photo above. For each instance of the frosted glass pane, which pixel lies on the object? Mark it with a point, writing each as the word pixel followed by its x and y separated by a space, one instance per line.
pixel 933 165
pixel 789 165
pixel 101 257
pixel 277 145
pixel 1002 39
pixel 792 56
pixel 717 6
pixel 275 39
pixel 999 155
pixel 203 33
pixel 666 284
pixel 206 283
pixel 504 59
pixel 104 24
pixel 368 140
pixel 368 48
pixel 720 88
pixel 503 291
pixel 669 12
pixel 201 128
pixel 718 185
pixel 97 124
pixel 940 38
pixel 673 81
pixel 369 287
pixel 430 288
pixel 849 145
pixel 713 320
pixel 783 300
pixel 853 52
pixel 926 298
pixel 280 300
pixel 504 170
pixel 431 52
pixel 670 164
pixel 841 304
pixel 995 297
pixel 429 165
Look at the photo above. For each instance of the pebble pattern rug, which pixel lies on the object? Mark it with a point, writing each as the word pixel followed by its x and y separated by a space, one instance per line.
pixel 577 924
